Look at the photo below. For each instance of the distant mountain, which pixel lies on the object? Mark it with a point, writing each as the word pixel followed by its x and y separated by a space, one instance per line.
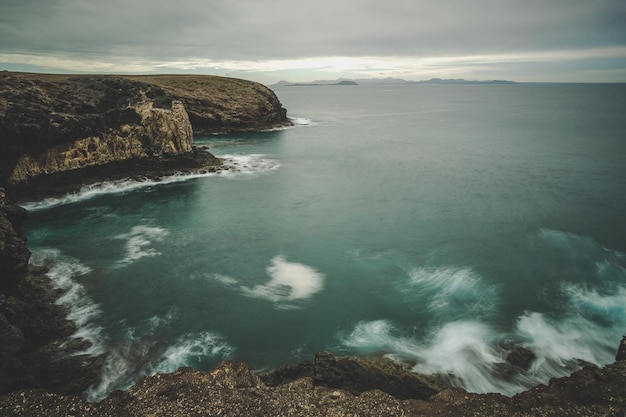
pixel 387 81
pixel 314 83
pixel 462 81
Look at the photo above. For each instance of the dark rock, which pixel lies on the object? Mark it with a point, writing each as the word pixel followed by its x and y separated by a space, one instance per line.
pixel 520 357
pixel 34 330
pixel 232 389
pixel 288 373
pixel 621 351
pixel 360 374
pixel 14 252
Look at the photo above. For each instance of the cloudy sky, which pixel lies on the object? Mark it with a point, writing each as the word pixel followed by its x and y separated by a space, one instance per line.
pixel 304 40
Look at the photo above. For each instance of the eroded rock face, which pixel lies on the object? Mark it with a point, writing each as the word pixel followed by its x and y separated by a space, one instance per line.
pixel 34 330
pixel 218 105
pixel 14 252
pixel 63 130
pixel 51 127
pixel 232 389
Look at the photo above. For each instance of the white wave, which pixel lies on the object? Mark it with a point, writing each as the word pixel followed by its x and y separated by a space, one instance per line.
pixel 583 251
pixel 138 242
pixel 236 165
pixel 290 283
pixel 472 354
pixel 87 192
pixel 301 121
pixel 223 279
pixel 82 309
pixel 465 351
pixel 191 349
pixel 233 164
pixel 589 330
pixel 142 354
pixel 128 361
pixel 450 292
pixel 377 336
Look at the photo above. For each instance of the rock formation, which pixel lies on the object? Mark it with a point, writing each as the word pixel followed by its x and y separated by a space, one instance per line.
pixel 218 105
pixel 61 131
pixel 232 389
pixel 36 348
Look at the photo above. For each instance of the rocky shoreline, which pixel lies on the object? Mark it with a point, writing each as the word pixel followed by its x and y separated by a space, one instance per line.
pixel 60 132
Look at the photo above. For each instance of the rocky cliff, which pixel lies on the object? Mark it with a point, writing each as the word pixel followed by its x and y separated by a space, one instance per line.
pixel 36 344
pixel 218 105
pixel 61 131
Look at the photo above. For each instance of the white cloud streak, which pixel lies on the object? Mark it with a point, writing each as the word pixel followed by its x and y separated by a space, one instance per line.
pixel 278 36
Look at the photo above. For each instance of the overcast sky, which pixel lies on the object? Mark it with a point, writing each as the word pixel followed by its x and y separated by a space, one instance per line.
pixel 304 40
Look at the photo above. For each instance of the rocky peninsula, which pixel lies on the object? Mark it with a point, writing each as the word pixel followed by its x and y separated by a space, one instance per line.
pixel 57 132
pixel 61 131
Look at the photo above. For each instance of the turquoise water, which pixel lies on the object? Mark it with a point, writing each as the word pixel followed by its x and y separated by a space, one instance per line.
pixel 433 224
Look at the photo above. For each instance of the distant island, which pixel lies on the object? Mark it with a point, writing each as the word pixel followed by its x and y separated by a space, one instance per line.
pixel 460 81
pixel 386 81
pixel 315 83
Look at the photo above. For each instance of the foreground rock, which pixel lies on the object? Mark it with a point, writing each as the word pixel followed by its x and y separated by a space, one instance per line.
pixel 43 375
pixel 234 390
pixel 59 132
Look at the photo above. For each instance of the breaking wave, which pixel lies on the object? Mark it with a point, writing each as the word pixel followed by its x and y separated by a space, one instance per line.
pixel 145 349
pixel 234 165
pixel 302 121
pixel 467 345
pixel 63 271
pixel 237 165
pixel 450 292
pixel 139 241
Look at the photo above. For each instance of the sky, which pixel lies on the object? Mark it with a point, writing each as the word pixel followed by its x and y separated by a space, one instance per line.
pixel 306 40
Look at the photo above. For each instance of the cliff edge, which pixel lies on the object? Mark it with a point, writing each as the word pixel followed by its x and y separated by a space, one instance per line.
pixel 58 132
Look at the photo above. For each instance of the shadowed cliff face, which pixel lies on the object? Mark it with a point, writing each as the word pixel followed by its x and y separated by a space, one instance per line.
pixel 36 344
pixel 51 124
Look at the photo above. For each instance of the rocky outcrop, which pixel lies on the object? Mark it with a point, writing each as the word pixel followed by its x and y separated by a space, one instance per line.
pixel 232 389
pixel 357 375
pixel 218 105
pixel 14 253
pixel 36 348
pixel 59 132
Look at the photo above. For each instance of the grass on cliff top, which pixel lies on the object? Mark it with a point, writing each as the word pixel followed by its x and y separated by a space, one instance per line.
pixel 231 95
pixel 198 87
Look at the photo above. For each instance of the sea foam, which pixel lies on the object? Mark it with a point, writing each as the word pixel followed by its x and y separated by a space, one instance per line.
pixel 63 271
pixel 234 165
pixel 247 165
pixel 450 292
pixel 146 348
pixel 139 241
pixel 290 283
pixel 466 344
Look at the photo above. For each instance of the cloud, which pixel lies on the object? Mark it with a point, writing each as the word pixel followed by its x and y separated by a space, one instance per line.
pixel 141 35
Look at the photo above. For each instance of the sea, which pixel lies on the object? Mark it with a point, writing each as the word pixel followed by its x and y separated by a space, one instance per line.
pixel 438 225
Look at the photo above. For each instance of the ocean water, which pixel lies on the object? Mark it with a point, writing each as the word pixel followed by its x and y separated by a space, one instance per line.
pixel 433 224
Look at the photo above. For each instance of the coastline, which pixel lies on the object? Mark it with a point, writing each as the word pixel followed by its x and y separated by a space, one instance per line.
pixel 233 389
